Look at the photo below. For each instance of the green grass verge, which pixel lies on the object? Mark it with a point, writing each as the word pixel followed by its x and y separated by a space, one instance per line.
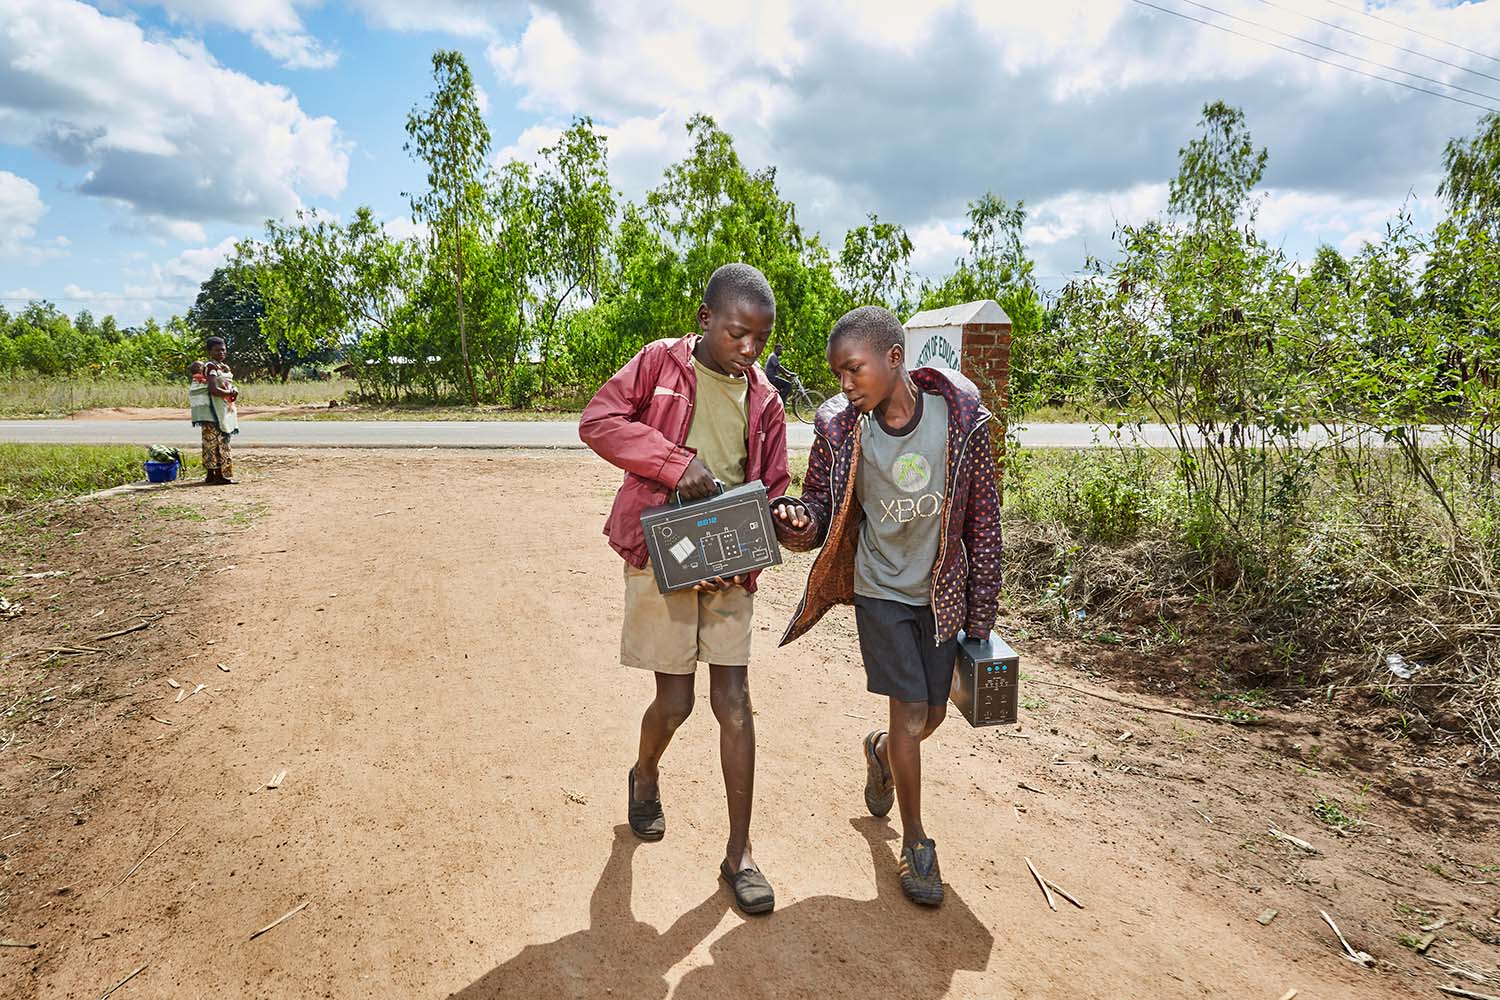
pixel 35 473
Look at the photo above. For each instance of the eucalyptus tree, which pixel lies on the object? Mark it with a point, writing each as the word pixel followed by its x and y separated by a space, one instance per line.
pixel 449 135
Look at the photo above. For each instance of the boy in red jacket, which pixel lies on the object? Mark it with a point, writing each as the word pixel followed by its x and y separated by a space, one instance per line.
pixel 679 415
pixel 901 495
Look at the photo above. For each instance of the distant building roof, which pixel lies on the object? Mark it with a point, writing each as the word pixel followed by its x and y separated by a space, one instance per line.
pixel 983 311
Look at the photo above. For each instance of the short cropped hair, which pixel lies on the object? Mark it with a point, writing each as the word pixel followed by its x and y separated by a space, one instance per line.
pixel 738 283
pixel 211 341
pixel 876 326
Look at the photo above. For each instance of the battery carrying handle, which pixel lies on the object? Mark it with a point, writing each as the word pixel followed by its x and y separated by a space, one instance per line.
pixel 677 494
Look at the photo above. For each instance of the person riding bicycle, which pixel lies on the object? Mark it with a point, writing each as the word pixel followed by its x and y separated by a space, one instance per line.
pixel 779 375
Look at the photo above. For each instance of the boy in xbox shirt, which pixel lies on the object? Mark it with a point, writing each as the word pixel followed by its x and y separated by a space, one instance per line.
pixel 914 546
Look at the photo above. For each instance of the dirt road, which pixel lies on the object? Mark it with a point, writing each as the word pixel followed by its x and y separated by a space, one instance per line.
pixel 426 643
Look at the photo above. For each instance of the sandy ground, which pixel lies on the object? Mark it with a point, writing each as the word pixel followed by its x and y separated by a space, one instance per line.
pixel 426 643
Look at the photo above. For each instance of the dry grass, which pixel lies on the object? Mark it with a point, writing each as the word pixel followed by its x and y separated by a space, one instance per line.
pixel 1320 604
pixel 49 397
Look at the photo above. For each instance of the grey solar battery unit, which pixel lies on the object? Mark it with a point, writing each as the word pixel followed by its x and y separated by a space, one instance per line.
pixel 986 681
pixel 724 535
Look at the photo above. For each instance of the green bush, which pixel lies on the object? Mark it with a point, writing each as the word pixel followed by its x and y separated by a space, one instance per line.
pixel 522 387
pixel 37 352
pixel 1103 495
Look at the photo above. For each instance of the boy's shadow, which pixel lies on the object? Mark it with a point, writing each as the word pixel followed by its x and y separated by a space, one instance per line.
pixel 616 952
pixel 822 946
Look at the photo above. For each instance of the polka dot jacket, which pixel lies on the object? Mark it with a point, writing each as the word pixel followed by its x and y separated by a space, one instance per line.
pixel 966 576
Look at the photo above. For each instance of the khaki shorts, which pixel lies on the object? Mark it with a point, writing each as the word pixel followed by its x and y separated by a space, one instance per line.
pixel 670 633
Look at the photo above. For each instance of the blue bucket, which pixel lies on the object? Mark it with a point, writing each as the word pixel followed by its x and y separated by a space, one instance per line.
pixel 161 472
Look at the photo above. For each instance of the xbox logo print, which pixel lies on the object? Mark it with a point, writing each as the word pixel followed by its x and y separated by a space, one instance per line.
pixel 912 472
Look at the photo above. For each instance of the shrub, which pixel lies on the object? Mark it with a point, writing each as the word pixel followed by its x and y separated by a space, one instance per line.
pixel 522 386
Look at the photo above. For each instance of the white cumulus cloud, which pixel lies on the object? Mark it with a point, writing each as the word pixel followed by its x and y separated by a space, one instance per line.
pixel 160 289
pixel 274 25
pixel 20 209
pixel 1078 107
pixel 158 125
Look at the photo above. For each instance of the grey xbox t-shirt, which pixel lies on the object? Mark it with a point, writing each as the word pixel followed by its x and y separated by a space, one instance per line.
pixel 900 484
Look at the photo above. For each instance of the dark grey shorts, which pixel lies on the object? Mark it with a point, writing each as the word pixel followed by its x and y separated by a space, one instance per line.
pixel 901 659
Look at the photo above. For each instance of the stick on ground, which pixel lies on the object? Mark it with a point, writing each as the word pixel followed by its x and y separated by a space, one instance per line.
pixel 1457 970
pixel 1165 710
pixel 122 982
pixel 1454 991
pixel 289 914
pixel 1361 957
pixel 1063 893
pixel 148 858
pixel 1294 841
pixel 1043 883
pixel 124 631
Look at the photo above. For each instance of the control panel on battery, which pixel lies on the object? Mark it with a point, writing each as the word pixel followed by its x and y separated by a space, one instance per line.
pixel 726 535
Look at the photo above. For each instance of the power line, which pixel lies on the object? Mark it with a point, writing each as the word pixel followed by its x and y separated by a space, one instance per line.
pixel 1415 31
pixel 1380 41
pixel 1336 51
pixel 1317 59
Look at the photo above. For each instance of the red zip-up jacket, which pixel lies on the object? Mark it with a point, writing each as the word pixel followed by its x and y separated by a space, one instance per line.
pixel 639 419
pixel 965 584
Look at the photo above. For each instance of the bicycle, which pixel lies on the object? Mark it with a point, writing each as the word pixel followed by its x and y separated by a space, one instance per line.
pixel 804 402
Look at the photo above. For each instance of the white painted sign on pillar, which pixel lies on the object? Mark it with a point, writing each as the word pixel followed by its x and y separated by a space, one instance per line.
pixel 934 346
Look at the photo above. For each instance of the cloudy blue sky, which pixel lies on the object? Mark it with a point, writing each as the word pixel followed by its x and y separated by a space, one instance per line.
pixel 140 138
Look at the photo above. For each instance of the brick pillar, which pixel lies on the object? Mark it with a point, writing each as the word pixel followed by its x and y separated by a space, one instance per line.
pixel 985 359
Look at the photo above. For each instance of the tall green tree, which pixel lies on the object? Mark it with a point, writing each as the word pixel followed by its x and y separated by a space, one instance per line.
pixel 875 264
pixel 229 305
pixel 997 266
pixel 449 135
pixel 576 209
pixel 510 265
pixel 1472 182
pixel 322 283
pixel 710 210
pixel 1218 170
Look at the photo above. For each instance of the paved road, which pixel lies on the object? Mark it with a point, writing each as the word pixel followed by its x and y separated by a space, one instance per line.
pixel 308 433
pixel 455 434
pixel 404 433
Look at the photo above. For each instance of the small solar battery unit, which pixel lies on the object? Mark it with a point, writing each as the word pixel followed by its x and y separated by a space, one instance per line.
pixel 724 535
pixel 986 681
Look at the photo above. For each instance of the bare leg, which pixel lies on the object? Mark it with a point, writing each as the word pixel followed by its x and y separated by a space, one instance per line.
pixel 900 753
pixel 670 709
pixel 729 695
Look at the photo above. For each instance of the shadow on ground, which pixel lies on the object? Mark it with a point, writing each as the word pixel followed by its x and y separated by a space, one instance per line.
pixel 817 947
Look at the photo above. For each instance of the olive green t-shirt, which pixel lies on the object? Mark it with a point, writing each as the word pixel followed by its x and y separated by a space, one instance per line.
pixel 720 424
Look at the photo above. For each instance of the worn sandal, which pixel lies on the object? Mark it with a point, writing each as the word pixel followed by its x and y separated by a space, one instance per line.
pixel 647 820
pixel 752 892
pixel 920 878
pixel 880 791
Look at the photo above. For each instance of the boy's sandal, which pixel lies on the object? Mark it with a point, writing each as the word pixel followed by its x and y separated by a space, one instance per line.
pixel 647 820
pixel 880 791
pixel 921 880
pixel 752 891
